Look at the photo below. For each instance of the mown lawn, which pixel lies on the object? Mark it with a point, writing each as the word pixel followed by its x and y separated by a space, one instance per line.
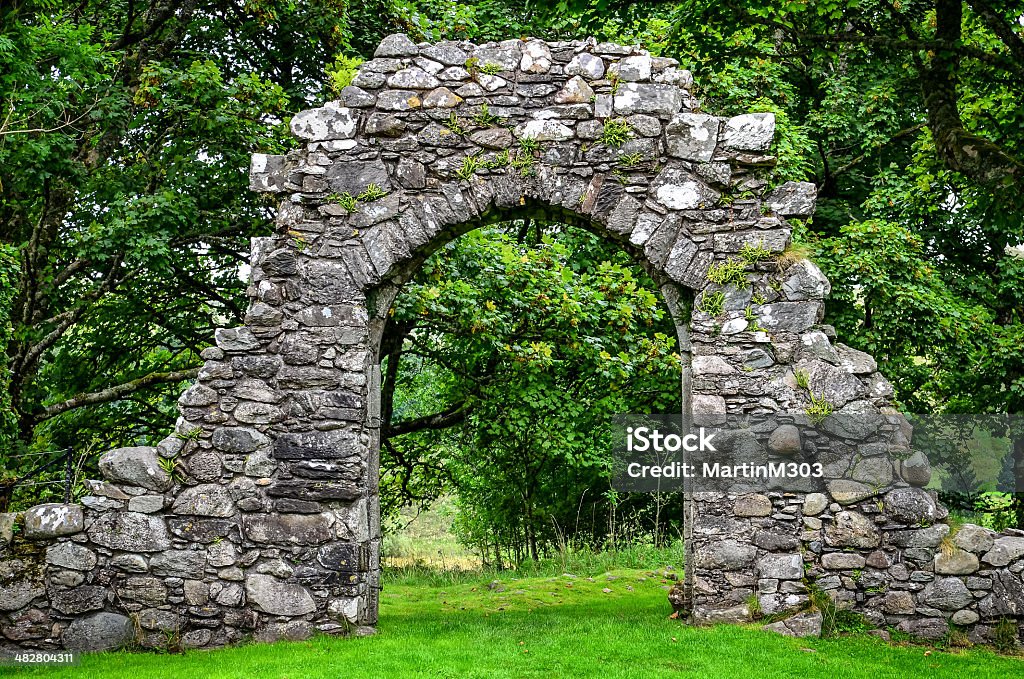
pixel 547 627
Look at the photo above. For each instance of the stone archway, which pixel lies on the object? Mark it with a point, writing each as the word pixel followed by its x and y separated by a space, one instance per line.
pixel 271 525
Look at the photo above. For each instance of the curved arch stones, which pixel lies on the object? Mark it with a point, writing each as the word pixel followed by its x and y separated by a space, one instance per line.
pixel 272 529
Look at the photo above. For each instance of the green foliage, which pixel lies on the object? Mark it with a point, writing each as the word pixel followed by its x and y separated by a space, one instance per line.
pixel 502 159
pixel 631 159
pixel 536 345
pixel 803 379
pixel 470 165
pixel 711 303
pixel 1005 636
pixel 491 68
pixel 729 272
pixel 371 193
pixel 484 117
pixel 753 254
pixel 9 267
pixel 453 124
pixel 346 200
pixel 615 133
pixel 342 72
pixel 819 409
pixel 523 162
pixel 529 145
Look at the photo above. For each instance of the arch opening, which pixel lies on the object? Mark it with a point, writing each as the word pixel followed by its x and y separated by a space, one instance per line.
pixel 585 331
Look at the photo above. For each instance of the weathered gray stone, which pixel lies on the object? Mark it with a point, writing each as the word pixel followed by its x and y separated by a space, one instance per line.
pixel 79 599
pixel 575 91
pixel 356 97
pixel 785 440
pixel 654 99
pixel 399 100
pixel 130 532
pixel 916 470
pixel 329 122
pixel 180 563
pixel 925 628
pixel 142 589
pixel 204 466
pixel 781 566
pixel 788 316
pixel 753 505
pixel 874 471
pixel 587 65
pixel 130 563
pixel 413 79
pixel 847 492
pixel 258 413
pixel 1004 550
pixel 692 136
pixel 536 57
pixel 852 529
pixel 804 280
pixel 910 506
pixel 156 619
pixel 208 499
pixel 260 464
pixel 635 68
pixel 288 529
pixel 800 625
pixel 493 138
pixel 957 562
pixel 946 594
pixel 137 466
pixel 99 632
pixel 239 439
pixel 815 503
pixel 974 539
pixel 727 555
pixel 442 97
pixel 964 617
pixel 236 339
pixel 842 560
pixel 20 583
pixel 71 555
pixel 854 361
pixel 543 130
pixel 749 132
pixel 396 45
pixel 275 597
pixel 7 521
pixel 793 199
pixel 832 383
pixel 53 520
pixel 448 53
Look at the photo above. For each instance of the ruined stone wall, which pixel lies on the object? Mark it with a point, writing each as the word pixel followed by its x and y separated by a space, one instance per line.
pixel 269 524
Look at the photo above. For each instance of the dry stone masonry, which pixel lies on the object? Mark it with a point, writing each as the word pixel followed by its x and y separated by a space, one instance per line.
pixel 258 518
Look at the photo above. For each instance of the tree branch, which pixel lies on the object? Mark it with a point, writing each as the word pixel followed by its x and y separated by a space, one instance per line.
pixel 961 151
pixel 114 393
pixel 442 420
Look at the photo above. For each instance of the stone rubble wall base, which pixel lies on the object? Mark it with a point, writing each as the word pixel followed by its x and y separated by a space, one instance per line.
pixel 259 516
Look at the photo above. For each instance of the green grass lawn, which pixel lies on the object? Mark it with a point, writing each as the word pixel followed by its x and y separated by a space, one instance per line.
pixel 544 626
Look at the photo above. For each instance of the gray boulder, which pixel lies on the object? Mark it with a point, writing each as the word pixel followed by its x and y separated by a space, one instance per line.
pixel 852 529
pixel 136 466
pixel 53 520
pixel 99 632
pixel 947 594
pixel 275 597
pixel 130 532
pixel 208 499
